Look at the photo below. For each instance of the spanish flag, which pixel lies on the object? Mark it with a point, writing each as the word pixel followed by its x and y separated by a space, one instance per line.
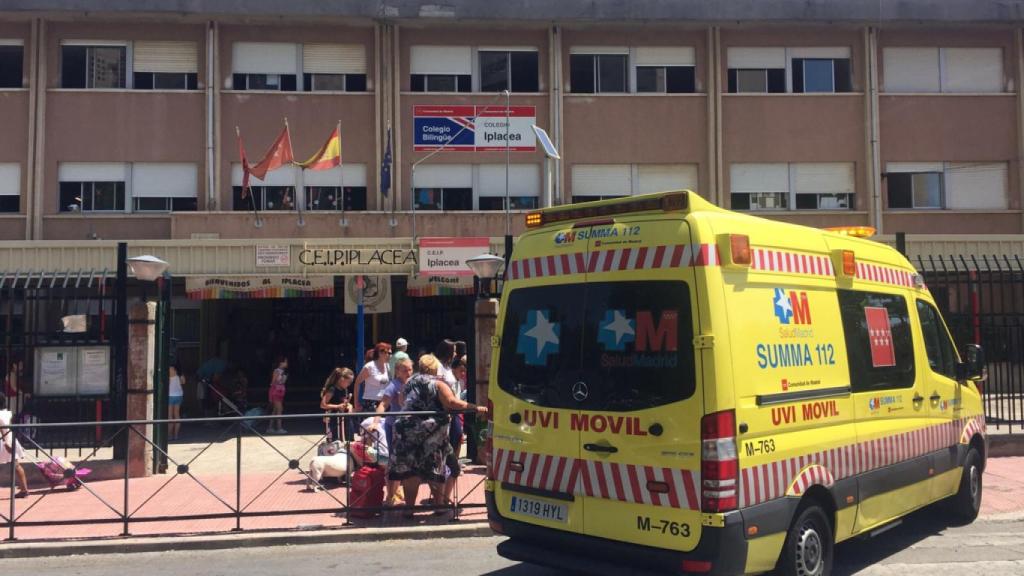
pixel 329 154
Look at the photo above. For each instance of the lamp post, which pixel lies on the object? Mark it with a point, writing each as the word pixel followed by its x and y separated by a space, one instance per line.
pixel 152 269
pixel 485 269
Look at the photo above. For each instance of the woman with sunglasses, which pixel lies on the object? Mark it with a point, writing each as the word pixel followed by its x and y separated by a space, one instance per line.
pixel 373 379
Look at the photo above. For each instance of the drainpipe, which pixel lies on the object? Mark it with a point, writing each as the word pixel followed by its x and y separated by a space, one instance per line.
pixel 217 148
pixel 876 160
pixel 211 188
pixel 40 82
pixel 712 193
pixel 724 200
pixel 30 163
pixel 558 91
pixel 1019 57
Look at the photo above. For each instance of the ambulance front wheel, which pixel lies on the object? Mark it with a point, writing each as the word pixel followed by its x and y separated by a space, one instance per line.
pixel 966 503
pixel 809 544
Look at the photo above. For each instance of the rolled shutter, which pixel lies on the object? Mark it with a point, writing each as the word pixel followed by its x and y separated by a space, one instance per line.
pixel 665 56
pixel 599 50
pixel 523 180
pixel 820 52
pixel 334 58
pixel 756 58
pixel 442 60
pixel 661 177
pixel 355 175
pixel 748 178
pixel 602 180
pixel 92 172
pixel 166 56
pixel 823 178
pixel 164 180
pixel 972 70
pixel 914 167
pixel 10 179
pixel 444 176
pixel 911 69
pixel 280 177
pixel 264 58
pixel 972 185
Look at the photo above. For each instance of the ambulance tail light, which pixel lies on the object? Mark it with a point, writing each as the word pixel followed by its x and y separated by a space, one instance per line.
pixel 718 462
pixel 488 452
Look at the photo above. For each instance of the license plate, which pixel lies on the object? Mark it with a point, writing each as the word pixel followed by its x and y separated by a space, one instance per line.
pixel 539 509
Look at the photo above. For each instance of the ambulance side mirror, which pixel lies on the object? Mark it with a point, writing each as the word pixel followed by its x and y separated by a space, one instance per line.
pixel 973 366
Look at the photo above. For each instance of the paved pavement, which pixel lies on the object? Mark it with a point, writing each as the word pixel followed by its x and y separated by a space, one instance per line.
pixel 919 547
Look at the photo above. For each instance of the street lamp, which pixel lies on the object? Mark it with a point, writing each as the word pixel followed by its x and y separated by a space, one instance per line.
pixel 152 269
pixel 484 267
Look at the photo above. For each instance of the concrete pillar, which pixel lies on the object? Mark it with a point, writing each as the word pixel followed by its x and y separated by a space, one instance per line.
pixel 141 356
pixel 486 318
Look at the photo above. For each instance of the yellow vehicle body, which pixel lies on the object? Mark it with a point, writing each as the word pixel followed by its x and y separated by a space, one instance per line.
pixel 625 323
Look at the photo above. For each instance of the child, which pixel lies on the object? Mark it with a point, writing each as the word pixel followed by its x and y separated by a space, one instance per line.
pixel 9 446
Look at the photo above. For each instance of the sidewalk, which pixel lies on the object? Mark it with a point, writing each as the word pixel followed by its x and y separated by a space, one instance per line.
pixel 267 485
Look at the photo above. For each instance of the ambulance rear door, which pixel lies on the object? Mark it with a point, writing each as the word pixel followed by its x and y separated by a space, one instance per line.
pixel 639 398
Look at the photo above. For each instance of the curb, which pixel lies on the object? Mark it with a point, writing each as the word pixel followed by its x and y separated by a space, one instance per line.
pixel 252 539
pixel 1003 445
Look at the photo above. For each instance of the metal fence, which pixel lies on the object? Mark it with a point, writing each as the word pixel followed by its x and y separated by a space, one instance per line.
pixel 126 501
pixel 982 299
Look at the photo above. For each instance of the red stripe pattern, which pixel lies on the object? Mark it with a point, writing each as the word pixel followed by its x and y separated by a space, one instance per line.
pixel 884 275
pixel 616 259
pixel 791 262
pixel 608 480
pixel 793 476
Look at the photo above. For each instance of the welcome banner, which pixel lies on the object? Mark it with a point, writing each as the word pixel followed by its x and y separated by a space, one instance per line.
pixel 247 287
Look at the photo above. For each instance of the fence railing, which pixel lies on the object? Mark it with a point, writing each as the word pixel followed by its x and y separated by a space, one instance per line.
pixel 231 492
pixel 982 300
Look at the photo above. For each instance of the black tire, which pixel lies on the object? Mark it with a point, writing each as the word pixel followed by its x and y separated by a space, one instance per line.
pixel 809 546
pixel 965 504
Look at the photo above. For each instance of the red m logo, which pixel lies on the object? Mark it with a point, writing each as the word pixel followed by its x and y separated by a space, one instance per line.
pixel 663 337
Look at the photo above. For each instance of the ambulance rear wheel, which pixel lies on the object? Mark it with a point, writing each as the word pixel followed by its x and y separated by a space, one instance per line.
pixel 966 504
pixel 809 544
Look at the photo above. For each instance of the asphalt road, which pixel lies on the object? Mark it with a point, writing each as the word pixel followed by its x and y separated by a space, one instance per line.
pixel 922 545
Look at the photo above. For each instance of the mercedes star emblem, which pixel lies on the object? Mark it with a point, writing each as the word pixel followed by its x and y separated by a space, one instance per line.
pixel 580 391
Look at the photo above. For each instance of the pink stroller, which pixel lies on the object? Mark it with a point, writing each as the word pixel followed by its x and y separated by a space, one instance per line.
pixel 54 472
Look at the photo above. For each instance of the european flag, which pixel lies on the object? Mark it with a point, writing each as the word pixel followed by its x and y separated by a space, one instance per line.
pixel 385 168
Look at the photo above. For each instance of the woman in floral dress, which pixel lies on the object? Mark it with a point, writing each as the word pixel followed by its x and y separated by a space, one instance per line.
pixel 421 442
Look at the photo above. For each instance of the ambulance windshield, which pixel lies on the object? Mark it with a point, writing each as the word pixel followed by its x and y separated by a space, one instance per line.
pixel 612 346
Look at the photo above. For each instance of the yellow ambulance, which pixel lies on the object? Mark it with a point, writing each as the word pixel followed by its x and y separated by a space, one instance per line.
pixel 677 388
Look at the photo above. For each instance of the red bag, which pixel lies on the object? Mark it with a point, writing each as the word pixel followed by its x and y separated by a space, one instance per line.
pixel 367 491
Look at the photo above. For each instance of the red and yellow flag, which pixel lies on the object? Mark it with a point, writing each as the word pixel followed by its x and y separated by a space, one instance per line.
pixel 329 155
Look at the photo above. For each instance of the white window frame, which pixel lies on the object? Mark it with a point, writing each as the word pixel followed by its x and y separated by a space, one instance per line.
pixel 477 77
pixel 525 181
pixel 597 51
pixel 943 82
pixel 919 168
pixel 768 60
pixel 21 43
pixel 129 64
pixel 238 69
pixel 790 193
pixel 344 70
pixel 949 193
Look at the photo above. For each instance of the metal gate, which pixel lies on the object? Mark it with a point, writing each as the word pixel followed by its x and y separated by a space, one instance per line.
pixel 62 352
pixel 982 299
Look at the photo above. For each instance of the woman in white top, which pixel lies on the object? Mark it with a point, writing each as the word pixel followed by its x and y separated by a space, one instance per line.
pixel 175 396
pixel 373 379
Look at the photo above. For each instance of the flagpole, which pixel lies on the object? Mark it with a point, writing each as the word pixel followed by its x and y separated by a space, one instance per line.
pixel 341 178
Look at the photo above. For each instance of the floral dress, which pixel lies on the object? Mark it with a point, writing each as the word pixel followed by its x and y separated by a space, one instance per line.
pixel 421 442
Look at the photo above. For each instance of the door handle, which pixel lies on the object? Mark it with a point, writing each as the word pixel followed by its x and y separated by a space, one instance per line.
pixel 935 397
pixel 918 398
pixel 600 448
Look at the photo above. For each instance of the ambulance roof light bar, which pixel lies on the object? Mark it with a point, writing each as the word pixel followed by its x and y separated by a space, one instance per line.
pixel 667 203
pixel 853 231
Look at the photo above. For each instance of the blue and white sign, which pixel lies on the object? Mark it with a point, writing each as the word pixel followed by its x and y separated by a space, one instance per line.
pixel 474 128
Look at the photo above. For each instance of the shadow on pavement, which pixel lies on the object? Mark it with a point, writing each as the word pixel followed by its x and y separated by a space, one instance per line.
pixel 857 554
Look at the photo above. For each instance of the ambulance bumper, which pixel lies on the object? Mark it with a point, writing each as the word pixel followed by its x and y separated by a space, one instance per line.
pixel 725 549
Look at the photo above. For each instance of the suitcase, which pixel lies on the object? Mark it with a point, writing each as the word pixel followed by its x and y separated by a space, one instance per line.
pixel 367 491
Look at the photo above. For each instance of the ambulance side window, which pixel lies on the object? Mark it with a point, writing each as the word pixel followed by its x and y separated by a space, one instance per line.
pixel 941 354
pixel 879 346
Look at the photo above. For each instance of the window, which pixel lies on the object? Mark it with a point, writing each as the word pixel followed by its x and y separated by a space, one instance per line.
pixel 264 66
pixel 10 187
pixel 953 185
pixel 797 70
pixel 165 65
pixel 164 187
pixel 941 353
pixel 441 69
pixel 92 186
pixel 524 184
pixel 796 186
pixel 88 66
pixel 542 371
pixel 323 186
pixel 665 69
pixel 931 69
pixel 515 70
pixel 443 187
pixel 879 347
pixel 334 67
pixel 598 70
pixel 602 181
pixel 12 61
pixel 276 192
